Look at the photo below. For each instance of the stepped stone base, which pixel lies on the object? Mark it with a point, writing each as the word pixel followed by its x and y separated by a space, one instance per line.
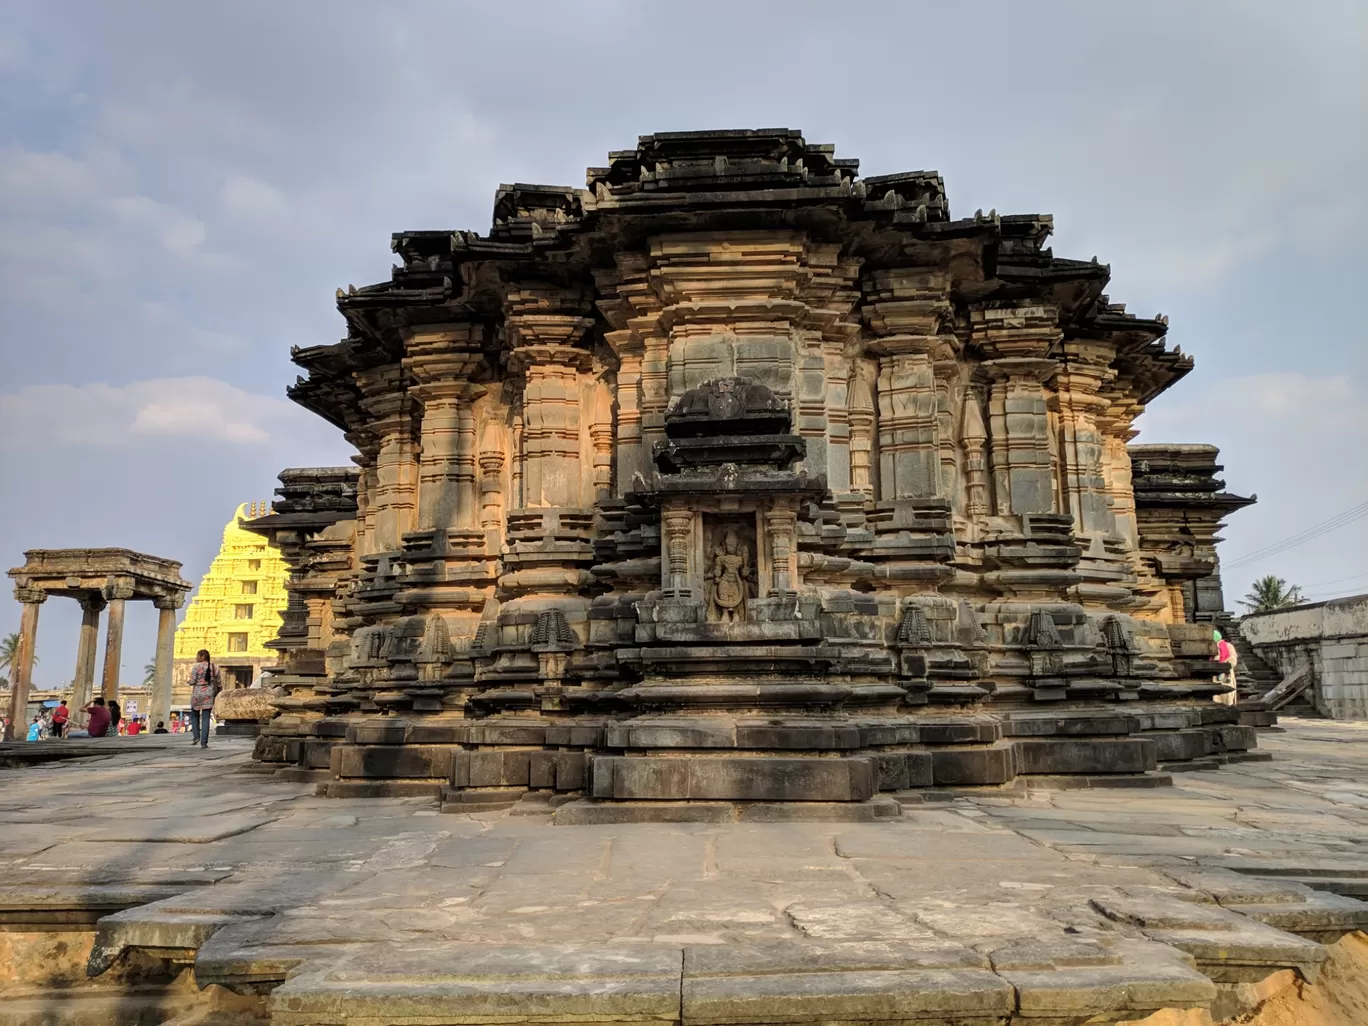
pixel 1017 905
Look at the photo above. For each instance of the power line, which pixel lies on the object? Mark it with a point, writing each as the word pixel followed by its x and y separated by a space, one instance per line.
pixel 1334 523
pixel 1337 580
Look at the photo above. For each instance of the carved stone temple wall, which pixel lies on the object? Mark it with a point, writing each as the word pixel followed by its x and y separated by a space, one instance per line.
pixel 736 477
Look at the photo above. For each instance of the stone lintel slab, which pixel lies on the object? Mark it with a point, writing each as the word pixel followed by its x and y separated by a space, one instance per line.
pixel 587 811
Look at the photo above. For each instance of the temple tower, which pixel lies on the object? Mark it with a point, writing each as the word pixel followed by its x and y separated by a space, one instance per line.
pixel 236 610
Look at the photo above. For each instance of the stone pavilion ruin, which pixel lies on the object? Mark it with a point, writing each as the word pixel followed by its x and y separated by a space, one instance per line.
pixel 100 580
pixel 734 477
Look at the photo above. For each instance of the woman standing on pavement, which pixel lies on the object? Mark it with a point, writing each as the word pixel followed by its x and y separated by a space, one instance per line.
pixel 205 684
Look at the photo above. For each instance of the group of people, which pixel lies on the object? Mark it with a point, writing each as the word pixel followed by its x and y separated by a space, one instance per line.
pixel 105 718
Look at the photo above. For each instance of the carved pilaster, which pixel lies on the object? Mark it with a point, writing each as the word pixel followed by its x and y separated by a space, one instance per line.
pixel 546 353
pixel 442 362
pixel 677 526
pixel 909 442
pixel 1083 372
pixel 392 418
pixel 492 460
pixel 780 529
pixel 862 414
pixel 974 440
pixel 1019 340
pixel 601 438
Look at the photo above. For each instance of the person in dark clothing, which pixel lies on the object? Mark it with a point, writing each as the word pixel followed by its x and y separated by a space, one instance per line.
pixel 161 728
pixel 115 715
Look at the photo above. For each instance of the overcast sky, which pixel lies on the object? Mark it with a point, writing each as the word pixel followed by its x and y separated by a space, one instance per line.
pixel 183 186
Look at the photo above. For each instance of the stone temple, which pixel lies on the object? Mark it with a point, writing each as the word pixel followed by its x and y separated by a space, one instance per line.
pixel 734 477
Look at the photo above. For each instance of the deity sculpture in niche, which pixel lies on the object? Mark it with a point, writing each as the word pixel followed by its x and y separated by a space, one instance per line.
pixel 730 576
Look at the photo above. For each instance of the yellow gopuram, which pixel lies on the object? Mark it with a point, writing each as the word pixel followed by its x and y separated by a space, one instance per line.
pixel 236 610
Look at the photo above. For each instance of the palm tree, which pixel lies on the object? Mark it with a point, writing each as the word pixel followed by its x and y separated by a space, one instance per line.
pixel 149 674
pixel 9 651
pixel 1270 593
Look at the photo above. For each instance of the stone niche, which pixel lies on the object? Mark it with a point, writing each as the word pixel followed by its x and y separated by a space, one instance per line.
pixel 736 477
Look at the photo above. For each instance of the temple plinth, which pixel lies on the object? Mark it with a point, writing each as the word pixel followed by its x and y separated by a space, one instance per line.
pixel 734 477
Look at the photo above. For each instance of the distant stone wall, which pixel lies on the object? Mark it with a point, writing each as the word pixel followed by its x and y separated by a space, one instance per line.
pixel 1330 637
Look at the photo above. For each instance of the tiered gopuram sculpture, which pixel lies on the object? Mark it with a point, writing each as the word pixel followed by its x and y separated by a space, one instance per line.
pixel 236 608
pixel 735 477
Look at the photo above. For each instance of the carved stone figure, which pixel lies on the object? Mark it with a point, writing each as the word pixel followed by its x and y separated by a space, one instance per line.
pixel 729 580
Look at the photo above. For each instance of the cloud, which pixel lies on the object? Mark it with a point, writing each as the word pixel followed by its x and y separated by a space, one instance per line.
pixel 193 409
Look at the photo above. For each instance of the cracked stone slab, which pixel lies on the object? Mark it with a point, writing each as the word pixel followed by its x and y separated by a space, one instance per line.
pixel 1228 947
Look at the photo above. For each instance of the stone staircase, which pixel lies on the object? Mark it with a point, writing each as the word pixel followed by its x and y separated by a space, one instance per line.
pixel 1254 676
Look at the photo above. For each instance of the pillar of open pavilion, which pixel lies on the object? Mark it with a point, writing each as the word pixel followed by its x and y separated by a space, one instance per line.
pixel 99 579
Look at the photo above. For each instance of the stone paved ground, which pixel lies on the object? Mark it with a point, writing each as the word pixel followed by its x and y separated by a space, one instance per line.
pixel 1041 906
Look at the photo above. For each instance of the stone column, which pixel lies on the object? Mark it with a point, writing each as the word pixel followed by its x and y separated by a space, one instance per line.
pixel 909 436
pixel 492 459
pixel 391 410
pixel 601 438
pixel 862 425
pixel 553 474
pixel 1019 450
pixel 84 680
pixel 1020 342
pixel 781 525
pixel 21 672
pixel 677 527
pixel 836 371
pixel 1082 373
pixel 446 469
pixel 945 367
pixel 631 460
pixel 116 593
pixel 166 641
pixel 1115 423
pixel 974 439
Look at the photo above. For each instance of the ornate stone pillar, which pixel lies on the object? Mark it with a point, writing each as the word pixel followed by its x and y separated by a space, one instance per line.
pixel 116 592
pixel 601 438
pixel 552 468
pixel 781 526
pixel 21 672
pixel 909 437
pixel 84 679
pixel 446 469
pixel 974 440
pixel 1019 450
pixel 391 413
pixel 1083 372
pixel 631 459
pixel 166 645
pixel 863 405
pixel 1019 341
pixel 677 527
pixel 492 459
pixel 1115 423
pixel 945 367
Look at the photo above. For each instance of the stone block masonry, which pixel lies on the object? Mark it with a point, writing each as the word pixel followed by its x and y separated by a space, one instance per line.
pixel 1331 638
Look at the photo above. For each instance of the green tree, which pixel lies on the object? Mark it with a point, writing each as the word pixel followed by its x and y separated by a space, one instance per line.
pixel 1269 593
pixel 149 674
pixel 9 650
